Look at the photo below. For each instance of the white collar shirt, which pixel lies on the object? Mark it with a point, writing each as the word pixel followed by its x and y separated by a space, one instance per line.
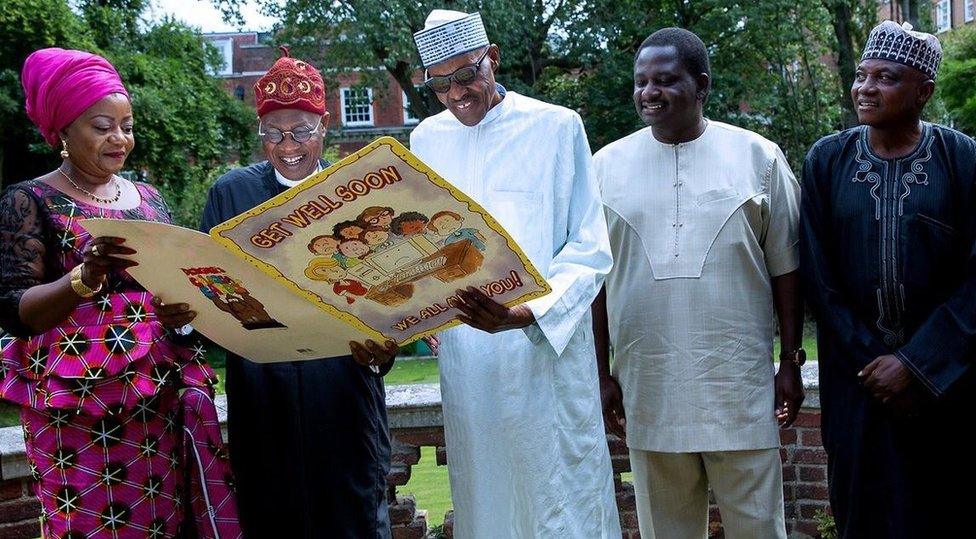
pixel 698 230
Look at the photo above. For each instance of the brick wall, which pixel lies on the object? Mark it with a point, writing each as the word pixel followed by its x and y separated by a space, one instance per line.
pixel 804 480
pixel 19 510
pixel 415 422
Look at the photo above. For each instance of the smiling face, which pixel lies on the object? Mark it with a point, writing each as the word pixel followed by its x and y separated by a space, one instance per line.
pixel 382 220
pixel 446 224
pixel 350 231
pixel 294 160
pixel 326 245
pixel 469 104
pixel 887 93
pixel 354 248
pixel 334 273
pixel 412 227
pixel 376 236
pixel 101 138
pixel 667 97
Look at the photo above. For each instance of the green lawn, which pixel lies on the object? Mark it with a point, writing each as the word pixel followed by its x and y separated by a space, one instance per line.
pixel 413 371
pixel 809 345
pixel 430 486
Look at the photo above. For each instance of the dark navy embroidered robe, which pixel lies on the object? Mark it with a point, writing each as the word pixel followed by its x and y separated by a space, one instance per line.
pixel 887 257
pixel 308 439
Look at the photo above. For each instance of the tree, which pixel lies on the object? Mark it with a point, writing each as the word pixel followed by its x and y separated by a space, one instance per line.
pixel 767 73
pixel 187 126
pixel 783 68
pixel 25 26
pixel 852 21
pixel 955 83
pixel 357 34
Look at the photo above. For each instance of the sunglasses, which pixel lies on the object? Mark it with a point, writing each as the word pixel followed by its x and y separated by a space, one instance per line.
pixel 463 76
pixel 302 133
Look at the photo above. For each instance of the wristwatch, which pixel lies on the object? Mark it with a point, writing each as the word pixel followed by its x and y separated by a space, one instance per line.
pixel 798 356
pixel 79 285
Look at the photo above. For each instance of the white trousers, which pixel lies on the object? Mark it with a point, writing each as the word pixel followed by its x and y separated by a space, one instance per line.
pixel 671 490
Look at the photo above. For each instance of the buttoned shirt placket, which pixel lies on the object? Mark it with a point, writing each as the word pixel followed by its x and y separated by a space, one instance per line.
pixel 677 184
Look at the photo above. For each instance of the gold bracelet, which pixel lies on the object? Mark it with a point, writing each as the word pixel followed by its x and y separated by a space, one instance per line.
pixel 79 286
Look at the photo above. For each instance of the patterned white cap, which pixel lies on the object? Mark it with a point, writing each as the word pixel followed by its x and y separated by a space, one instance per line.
pixel 447 34
pixel 889 41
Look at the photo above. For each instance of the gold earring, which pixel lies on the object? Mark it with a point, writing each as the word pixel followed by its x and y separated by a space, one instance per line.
pixel 64 149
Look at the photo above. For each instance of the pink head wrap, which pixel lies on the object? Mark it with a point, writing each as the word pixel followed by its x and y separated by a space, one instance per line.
pixel 61 84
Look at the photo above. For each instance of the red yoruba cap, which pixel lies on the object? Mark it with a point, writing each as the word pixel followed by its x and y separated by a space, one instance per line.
pixel 290 84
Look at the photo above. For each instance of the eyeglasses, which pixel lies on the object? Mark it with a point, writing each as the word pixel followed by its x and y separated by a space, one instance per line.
pixel 300 134
pixel 463 76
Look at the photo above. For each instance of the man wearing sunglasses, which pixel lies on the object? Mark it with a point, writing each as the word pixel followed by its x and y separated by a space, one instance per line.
pixel 310 446
pixel 522 419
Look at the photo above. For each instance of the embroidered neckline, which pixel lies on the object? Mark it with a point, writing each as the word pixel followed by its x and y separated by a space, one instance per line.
pixel 927 133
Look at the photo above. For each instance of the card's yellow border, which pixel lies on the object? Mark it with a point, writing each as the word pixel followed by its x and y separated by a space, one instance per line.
pixel 411 160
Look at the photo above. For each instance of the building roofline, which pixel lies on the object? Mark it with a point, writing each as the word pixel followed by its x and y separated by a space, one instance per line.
pixel 229 34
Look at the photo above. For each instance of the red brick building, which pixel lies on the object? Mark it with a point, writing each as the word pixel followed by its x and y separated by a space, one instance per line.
pixel 946 14
pixel 356 115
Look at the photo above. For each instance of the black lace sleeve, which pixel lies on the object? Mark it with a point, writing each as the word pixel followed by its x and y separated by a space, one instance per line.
pixel 22 253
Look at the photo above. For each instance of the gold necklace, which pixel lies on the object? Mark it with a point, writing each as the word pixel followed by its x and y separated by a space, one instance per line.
pixel 96 198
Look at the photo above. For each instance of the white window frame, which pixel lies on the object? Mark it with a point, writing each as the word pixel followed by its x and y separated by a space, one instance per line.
pixel 226 48
pixel 408 118
pixel 343 93
pixel 969 10
pixel 943 15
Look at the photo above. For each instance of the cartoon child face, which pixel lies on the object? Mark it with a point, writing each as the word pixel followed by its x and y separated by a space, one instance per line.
pixel 446 224
pixel 350 232
pixel 376 237
pixel 410 228
pixel 383 219
pixel 334 274
pixel 354 248
pixel 326 245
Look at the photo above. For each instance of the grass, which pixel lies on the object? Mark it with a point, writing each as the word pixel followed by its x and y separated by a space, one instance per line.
pixel 413 371
pixel 430 486
pixel 809 345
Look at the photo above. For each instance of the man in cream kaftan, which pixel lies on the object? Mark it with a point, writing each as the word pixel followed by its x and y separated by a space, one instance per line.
pixel 702 219
pixel 522 417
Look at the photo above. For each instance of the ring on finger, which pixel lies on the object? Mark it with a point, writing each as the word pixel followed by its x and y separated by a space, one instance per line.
pixel 94 250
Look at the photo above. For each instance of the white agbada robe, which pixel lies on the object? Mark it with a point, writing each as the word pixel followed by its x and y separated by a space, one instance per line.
pixel 526 446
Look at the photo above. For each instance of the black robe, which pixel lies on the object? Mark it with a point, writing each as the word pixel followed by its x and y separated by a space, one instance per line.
pixel 309 444
pixel 888 262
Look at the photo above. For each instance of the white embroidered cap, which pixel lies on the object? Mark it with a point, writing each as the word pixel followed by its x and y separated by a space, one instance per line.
pixel 447 34
pixel 889 41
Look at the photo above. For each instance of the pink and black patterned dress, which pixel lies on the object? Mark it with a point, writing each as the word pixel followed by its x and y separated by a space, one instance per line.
pixel 119 422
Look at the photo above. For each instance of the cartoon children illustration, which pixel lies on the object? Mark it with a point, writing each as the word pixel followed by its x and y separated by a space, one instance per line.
pixel 378 238
pixel 327 269
pixel 408 224
pixel 352 250
pixel 346 230
pixel 376 216
pixel 447 224
pixel 324 245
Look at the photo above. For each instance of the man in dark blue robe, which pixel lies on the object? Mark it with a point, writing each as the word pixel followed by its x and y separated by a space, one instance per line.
pixel 888 229
pixel 309 443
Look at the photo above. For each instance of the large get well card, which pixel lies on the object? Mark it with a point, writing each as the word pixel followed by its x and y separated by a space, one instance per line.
pixel 378 241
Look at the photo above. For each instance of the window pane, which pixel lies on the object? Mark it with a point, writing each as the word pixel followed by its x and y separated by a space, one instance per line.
pixel 357 106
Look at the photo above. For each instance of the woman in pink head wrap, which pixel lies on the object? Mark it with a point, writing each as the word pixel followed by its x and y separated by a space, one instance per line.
pixel 84 350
